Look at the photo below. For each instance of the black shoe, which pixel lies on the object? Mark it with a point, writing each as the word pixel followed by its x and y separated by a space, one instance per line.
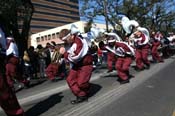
pixel 147 66
pixel 130 76
pixel 119 79
pixel 161 61
pixel 79 100
pixel 153 61
pixel 124 81
pixel 139 69
pixel 109 71
pixel 53 80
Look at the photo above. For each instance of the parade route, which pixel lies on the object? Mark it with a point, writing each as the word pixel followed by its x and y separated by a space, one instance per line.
pixel 108 91
pixel 110 96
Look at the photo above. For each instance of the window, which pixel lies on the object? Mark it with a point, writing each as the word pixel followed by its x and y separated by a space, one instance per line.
pixel 38 39
pixel 45 37
pixel 49 37
pixel 42 38
pixel 53 36
pixel 57 34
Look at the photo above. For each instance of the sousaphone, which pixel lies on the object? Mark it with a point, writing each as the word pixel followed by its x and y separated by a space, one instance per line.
pixel 128 24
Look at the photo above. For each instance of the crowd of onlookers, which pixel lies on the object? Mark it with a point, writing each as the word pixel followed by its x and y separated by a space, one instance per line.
pixel 36 60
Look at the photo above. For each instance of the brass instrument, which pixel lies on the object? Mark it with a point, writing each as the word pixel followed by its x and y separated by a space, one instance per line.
pixel 128 24
pixel 56 56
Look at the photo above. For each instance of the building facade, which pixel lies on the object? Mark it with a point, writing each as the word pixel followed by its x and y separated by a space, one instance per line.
pixel 49 35
pixel 49 14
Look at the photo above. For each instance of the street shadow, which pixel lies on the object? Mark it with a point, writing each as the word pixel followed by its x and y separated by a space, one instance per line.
pixel 110 75
pixel 94 88
pixel 134 66
pixel 96 71
pixel 18 89
pixel 29 86
pixel 101 67
pixel 37 82
pixel 172 57
pixel 44 105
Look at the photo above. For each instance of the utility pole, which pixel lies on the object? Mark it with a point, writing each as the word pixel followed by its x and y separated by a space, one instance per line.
pixel 105 14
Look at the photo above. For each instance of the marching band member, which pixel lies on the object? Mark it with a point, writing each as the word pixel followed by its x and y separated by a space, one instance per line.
pixel 12 61
pixel 81 70
pixel 93 50
pixel 111 57
pixel 141 44
pixel 56 62
pixel 157 37
pixel 8 100
pixel 12 65
pixel 124 53
pixel 169 49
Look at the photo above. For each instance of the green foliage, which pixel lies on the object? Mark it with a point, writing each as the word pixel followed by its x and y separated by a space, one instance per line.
pixel 153 14
pixel 15 17
pixel 88 26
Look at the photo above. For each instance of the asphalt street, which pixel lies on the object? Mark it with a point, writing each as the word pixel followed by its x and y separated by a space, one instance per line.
pixel 150 93
pixel 154 97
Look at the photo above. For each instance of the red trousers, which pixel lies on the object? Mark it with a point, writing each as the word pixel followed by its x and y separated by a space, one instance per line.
pixel 142 57
pixel 154 51
pixel 8 100
pixel 111 59
pixel 78 80
pixel 13 73
pixel 52 70
pixel 11 70
pixel 122 65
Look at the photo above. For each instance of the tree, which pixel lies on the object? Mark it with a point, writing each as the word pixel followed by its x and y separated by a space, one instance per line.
pixel 164 15
pixel 15 17
pixel 153 14
pixel 88 26
pixel 106 8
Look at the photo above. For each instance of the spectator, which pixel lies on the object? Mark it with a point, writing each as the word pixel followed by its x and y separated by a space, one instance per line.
pixel 42 60
pixel 33 56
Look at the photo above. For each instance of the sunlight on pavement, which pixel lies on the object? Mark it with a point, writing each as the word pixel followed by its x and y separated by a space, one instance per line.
pixel 173 113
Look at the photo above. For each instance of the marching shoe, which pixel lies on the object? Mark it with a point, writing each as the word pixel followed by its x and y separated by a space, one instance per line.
pixel 124 81
pixel 139 69
pixel 79 100
pixel 119 80
pixel 109 71
pixel 161 61
pixel 147 66
pixel 129 75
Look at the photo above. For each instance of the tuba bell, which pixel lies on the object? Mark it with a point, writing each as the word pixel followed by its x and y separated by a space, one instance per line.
pixel 93 34
pixel 116 37
pixel 74 29
pixel 145 32
pixel 128 24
